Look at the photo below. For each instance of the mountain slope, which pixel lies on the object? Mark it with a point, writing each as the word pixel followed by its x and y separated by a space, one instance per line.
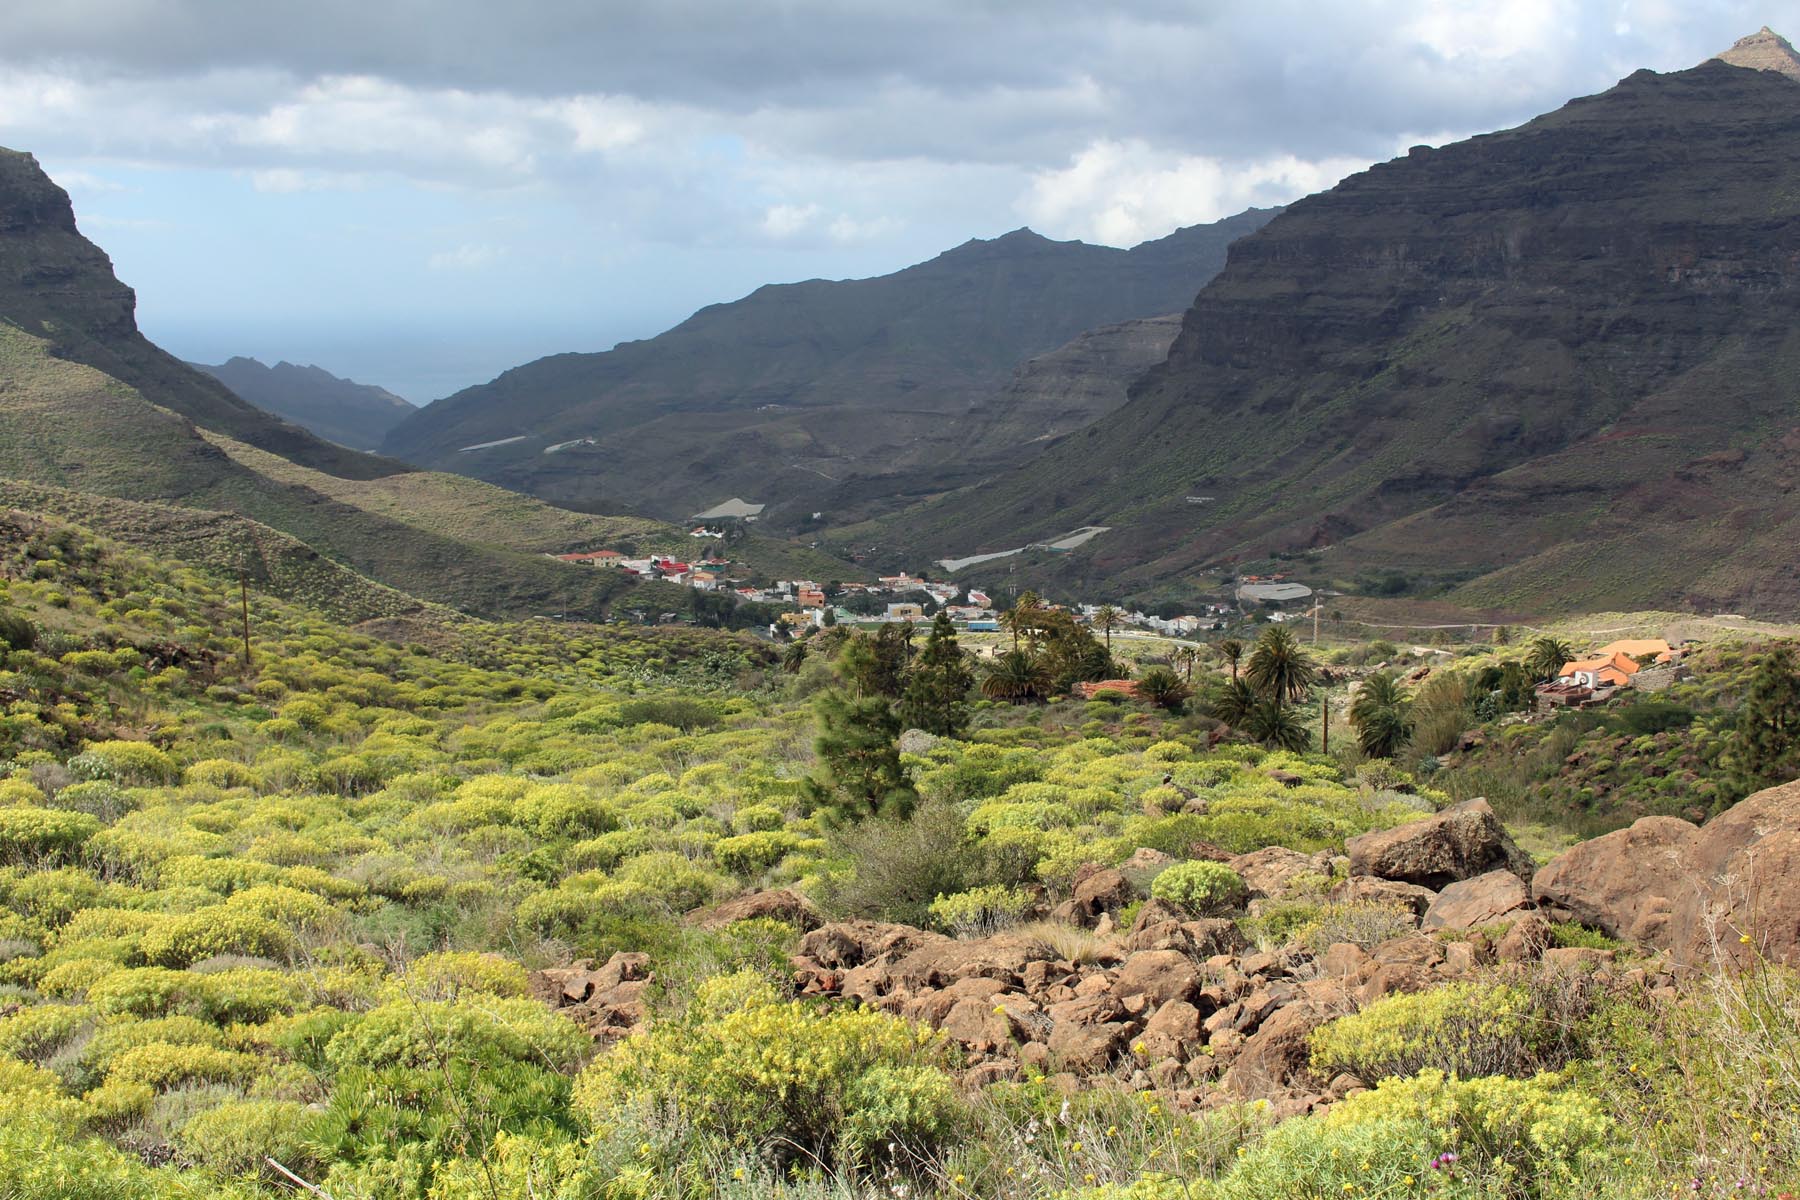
pixel 785 394
pixel 357 415
pixel 57 285
pixel 1526 359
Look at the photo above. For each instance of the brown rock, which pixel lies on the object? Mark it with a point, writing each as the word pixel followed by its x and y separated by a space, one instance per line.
pixel 1415 950
pixel 844 944
pixel 1268 872
pixel 1155 912
pixel 1172 1032
pixel 1102 889
pixel 1470 903
pixel 1526 941
pixel 1274 1060
pixel 780 904
pixel 1086 1048
pixel 1215 936
pixel 1343 960
pixel 1160 975
pixel 1693 892
pixel 1461 842
pixel 1366 889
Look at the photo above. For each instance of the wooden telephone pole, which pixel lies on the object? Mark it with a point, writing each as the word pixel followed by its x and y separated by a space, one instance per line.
pixel 244 604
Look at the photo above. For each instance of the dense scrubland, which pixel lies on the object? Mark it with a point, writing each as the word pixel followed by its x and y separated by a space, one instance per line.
pixel 271 925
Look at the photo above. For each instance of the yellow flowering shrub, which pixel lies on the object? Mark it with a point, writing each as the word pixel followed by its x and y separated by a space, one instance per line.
pixel 781 1077
pixel 1467 1028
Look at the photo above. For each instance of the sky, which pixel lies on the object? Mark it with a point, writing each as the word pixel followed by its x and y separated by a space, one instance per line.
pixel 423 193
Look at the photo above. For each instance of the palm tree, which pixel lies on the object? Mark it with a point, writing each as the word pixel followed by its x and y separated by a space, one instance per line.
pixel 1163 688
pixel 1231 650
pixel 1023 616
pixel 1274 725
pixel 1016 676
pixel 1106 619
pixel 1280 669
pixel 1233 703
pixel 1548 654
pixel 1186 657
pixel 1382 715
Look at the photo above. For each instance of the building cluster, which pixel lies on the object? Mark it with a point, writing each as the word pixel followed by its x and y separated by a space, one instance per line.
pixel 1647 664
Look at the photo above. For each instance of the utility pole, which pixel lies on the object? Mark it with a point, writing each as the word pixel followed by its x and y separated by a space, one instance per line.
pixel 244 603
pixel 1325 720
pixel 1316 607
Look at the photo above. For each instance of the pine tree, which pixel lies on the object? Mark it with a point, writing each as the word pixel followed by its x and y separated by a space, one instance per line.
pixel 937 689
pixel 862 775
pixel 1765 745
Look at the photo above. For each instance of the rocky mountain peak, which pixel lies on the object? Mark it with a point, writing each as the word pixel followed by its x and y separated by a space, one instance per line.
pixel 1764 50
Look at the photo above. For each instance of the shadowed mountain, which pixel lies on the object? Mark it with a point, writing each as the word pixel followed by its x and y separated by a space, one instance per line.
pixel 357 415
pixel 58 286
pixel 1556 364
pixel 91 412
pixel 801 390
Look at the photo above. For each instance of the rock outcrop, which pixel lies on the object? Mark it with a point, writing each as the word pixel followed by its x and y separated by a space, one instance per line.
pixel 606 1001
pixel 1459 843
pixel 1694 891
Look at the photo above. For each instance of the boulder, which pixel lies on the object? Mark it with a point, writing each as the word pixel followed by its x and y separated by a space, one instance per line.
pixel 1267 872
pixel 1160 975
pixel 1526 941
pixel 1275 1058
pixel 1088 1049
pixel 1472 903
pixel 1693 891
pixel 1099 890
pixel 1461 842
pixel 1172 1032
pixel 844 944
pixel 779 904
pixel 1366 889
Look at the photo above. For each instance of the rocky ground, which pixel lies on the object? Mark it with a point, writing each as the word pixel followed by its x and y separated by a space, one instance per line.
pixel 1190 1007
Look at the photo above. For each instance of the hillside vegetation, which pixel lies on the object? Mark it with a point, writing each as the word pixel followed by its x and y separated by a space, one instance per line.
pixel 310 917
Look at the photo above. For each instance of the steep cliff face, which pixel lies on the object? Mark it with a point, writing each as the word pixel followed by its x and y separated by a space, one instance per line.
pixel 1073 385
pixel 58 286
pixel 797 389
pixel 1502 343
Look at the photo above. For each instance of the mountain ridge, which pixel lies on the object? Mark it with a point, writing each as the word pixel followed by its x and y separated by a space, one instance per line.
pixel 339 410
pixel 794 389
pixel 1421 343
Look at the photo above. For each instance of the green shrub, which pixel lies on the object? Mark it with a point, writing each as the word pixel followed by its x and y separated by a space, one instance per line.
pixel 134 763
pixel 1202 888
pixel 36 835
pixel 236 1137
pixel 1466 1028
pixel 753 853
pixel 982 911
pixel 839 1085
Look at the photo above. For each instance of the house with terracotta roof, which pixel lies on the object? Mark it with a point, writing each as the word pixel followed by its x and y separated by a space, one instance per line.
pixel 1641 650
pixel 595 558
pixel 1601 671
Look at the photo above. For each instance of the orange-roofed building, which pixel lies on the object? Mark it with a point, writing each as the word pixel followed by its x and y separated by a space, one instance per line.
pixel 1641 649
pixel 1613 670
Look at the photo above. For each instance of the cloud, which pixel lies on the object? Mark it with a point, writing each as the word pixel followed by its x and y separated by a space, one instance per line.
pixel 1120 193
pixel 470 256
